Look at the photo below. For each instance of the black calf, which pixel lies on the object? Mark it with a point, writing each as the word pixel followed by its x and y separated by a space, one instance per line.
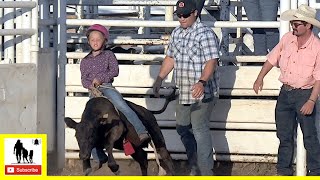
pixel 101 125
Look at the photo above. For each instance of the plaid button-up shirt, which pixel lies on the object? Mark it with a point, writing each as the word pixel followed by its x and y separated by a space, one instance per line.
pixel 191 48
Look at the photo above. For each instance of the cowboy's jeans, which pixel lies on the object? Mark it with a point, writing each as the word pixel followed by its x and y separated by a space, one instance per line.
pixel 288 116
pixel 117 100
pixel 193 128
pixel 263 10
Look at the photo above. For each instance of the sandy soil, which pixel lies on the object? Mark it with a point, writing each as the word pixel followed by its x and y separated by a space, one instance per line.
pixel 130 167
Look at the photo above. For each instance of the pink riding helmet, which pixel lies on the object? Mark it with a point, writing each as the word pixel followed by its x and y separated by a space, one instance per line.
pixel 100 28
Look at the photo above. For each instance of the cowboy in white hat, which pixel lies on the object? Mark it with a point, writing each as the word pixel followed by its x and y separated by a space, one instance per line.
pixel 298 57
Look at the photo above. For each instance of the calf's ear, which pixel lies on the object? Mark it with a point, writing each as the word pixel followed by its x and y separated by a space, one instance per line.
pixel 70 122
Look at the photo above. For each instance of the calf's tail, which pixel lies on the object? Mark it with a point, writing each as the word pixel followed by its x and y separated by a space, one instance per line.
pixel 169 98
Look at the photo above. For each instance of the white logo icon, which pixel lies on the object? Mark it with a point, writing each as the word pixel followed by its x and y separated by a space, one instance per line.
pixel 10 169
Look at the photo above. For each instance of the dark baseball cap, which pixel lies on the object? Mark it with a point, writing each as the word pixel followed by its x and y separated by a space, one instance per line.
pixel 185 7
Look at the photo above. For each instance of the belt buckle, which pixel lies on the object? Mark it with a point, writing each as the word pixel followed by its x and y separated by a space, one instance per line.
pixel 288 87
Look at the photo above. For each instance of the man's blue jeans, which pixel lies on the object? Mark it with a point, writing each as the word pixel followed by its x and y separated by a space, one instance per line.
pixel 288 116
pixel 263 10
pixel 194 130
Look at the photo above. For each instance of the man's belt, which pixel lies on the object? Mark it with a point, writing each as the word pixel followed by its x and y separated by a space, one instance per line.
pixel 287 87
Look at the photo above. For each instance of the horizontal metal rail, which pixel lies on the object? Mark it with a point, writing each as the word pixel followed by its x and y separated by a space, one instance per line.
pixel 129 2
pixel 125 36
pixel 160 57
pixel 47 22
pixel 18 4
pixel 8 32
pixel 166 24
pixel 125 41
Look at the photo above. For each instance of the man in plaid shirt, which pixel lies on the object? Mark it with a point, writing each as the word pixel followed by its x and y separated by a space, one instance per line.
pixel 193 54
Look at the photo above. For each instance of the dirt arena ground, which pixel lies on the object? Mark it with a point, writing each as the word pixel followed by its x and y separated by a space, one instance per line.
pixel 131 168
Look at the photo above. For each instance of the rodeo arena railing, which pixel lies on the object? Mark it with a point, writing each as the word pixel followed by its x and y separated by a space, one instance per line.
pixel 28 29
pixel 32 25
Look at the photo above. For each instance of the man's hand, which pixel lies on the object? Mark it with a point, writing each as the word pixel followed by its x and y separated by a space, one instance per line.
pixel 156 86
pixel 258 85
pixel 197 90
pixel 307 108
pixel 96 83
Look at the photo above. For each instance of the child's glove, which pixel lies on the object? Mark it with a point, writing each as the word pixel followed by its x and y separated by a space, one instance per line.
pixel 95 92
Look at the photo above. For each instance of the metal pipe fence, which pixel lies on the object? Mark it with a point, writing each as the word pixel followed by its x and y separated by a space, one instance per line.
pixel 27 26
pixel 20 35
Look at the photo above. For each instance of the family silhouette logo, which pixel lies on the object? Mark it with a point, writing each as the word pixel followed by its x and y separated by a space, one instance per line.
pixel 24 155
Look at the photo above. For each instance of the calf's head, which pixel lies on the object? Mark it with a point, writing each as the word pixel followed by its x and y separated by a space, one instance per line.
pixel 86 135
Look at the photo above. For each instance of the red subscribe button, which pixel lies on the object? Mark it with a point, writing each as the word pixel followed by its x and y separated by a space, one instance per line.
pixel 22 169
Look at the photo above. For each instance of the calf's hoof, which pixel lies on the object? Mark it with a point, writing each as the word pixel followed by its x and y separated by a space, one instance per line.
pixel 87 171
pixel 113 167
pixel 117 173
pixel 102 162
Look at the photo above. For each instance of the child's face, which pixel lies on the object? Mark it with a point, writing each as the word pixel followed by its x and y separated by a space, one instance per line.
pixel 96 40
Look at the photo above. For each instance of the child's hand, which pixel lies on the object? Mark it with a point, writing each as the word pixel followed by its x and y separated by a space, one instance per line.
pixel 95 92
pixel 96 82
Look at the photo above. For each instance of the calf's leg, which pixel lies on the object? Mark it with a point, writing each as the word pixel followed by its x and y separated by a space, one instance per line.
pixel 166 161
pixel 86 167
pixel 141 157
pixel 114 134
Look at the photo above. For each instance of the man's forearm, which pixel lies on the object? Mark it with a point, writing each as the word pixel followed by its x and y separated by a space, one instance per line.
pixel 315 91
pixel 166 67
pixel 209 69
pixel 267 66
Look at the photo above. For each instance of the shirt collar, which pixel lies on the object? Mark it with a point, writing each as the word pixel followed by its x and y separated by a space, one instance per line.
pixel 90 54
pixel 192 27
pixel 311 38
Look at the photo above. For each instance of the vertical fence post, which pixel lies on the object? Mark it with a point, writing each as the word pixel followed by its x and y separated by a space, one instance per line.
pixel 1 16
pixel 34 50
pixel 80 15
pixel 144 14
pixel 294 4
pixel 284 25
pixel 26 40
pixel 44 31
pixel 60 15
pixel 18 41
pixel 301 154
pixel 303 2
pixel 225 16
pixel 168 16
pixel 8 40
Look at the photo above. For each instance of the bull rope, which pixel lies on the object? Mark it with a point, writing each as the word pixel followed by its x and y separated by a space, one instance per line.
pixel 161 170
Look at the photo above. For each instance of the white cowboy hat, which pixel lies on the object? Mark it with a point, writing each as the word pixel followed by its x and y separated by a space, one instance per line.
pixel 303 13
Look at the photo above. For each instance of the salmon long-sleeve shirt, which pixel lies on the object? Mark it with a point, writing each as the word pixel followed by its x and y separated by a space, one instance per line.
pixel 104 67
